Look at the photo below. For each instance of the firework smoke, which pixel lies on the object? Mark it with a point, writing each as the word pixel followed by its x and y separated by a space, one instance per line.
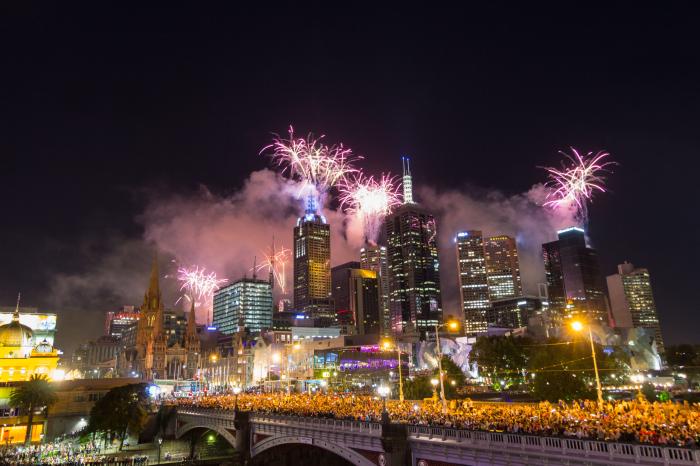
pixel 316 166
pixel 369 200
pixel 572 187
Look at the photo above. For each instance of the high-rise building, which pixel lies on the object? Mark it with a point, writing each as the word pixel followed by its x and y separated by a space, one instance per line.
pixel 312 267
pixel 502 267
pixel 632 301
pixel 246 303
pixel 373 257
pixel 117 322
pixel 473 281
pixel 414 269
pixel 513 312
pixel 356 297
pixel 574 282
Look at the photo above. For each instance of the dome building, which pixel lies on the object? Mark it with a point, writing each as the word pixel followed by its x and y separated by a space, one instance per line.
pixel 21 355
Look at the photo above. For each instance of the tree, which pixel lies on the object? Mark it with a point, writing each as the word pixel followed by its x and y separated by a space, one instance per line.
pixel 564 370
pixel 123 409
pixel 452 374
pixel 501 358
pixel 31 395
pixel 417 388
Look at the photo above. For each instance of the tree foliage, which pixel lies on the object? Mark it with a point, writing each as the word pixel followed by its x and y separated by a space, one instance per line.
pixel 36 393
pixel 502 358
pixel 122 410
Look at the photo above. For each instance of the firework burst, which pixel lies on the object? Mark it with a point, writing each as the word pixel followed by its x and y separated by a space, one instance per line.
pixel 370 200
pixel 198 286
pixel 317 166
pixel 276 264
pixel 572 186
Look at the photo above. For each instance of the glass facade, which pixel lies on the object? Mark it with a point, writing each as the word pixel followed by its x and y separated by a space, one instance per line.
pixel 502 267
pixel 245 303
pixel 473 282
pixel 574 282
pixel 374 258
pixel 414 269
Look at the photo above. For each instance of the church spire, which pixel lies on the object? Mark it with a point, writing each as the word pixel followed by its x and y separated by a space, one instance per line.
pixel 152 298
pixel 192 322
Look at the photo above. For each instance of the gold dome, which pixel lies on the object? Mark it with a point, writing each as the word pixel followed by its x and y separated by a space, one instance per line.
pixel 15 334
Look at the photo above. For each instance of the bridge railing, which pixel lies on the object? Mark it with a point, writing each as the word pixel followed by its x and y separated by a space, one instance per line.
pixel 649 454
pixel 369 428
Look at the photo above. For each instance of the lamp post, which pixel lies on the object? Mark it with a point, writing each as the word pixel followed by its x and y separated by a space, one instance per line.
pixel 387 346
pixel 383 391
pixel 160 442
pixel 236 392
pixel 578 326
pixel 452 325
pixel 434 383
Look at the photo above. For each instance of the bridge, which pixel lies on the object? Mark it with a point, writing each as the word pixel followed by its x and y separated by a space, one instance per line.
pixel 255 435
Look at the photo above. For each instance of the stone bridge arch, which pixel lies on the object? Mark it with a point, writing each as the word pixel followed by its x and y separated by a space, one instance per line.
pixel 346 453
pixel 225 433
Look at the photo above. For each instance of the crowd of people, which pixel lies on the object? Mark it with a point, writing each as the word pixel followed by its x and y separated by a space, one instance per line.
pixel 65 454
pixel 657 423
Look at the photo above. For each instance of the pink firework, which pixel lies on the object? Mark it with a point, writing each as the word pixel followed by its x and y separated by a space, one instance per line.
pixel 574 184
pixel 370 200
pixel 317 166
pixel 276 263
pixel 198 285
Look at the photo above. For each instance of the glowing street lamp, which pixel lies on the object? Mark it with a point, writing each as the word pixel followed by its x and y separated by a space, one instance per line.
pixel 236 392
pixel 434 383
pixel 387 346
pixel 453 326
pixel 577 326
pixel 383 391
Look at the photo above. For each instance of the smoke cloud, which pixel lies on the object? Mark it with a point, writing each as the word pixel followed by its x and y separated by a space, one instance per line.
pixel 225 233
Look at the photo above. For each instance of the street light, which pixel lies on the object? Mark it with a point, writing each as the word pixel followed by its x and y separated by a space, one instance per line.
pixel 160 442
pixel 383 391
pixel 453 325
pixel 434 383
pixel 387 346
pixel 578 326
pixel 236 392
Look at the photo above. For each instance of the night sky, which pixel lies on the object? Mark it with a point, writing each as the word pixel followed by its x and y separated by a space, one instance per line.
pixel 102 105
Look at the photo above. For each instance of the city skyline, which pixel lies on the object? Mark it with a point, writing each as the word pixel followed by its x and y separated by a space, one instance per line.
pixel 93 188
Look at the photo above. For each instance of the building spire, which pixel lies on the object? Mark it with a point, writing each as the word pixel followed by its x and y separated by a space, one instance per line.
pixel 15 315
pixel 272 264
pixel 407 180
pixel 255 265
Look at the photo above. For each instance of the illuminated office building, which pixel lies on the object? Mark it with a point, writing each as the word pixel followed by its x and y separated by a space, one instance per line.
pixel 373 257
pixel 246 303
pixel 415 302
pixel 356 298
pixel 574 283
pixel 632 301
pixel 312 267
pixel 502 267
pixel 473 281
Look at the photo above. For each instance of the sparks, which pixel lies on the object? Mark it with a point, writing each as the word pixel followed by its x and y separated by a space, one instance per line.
pixel 370 200
pixel 275 263
pixel 197 285
pixel 573 186
pixel 317 166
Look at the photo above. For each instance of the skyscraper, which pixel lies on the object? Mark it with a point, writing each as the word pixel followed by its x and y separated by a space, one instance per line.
pixel 356 297
pixel 412 254
pixel 312 267
pixel 373 257
pixel 502 267
pixel 244 303
pixel 473 281
pixel 574 282
pixel 632 301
